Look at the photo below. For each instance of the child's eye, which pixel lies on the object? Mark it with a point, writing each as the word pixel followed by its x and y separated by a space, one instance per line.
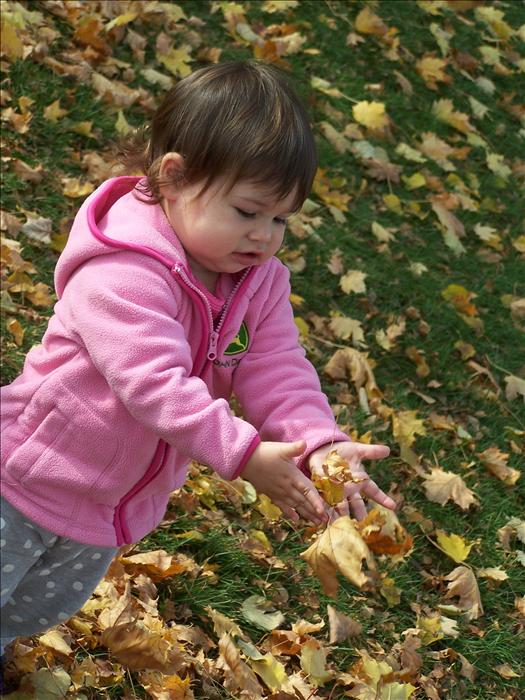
pixel 245 214
pixel 280 221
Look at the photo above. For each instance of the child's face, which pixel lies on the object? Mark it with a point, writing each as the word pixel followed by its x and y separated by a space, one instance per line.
pixel 227 230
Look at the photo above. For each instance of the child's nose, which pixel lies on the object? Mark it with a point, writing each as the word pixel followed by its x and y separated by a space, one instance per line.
pixel 262 231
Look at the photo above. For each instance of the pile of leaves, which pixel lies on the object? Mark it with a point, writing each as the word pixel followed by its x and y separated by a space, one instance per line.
pixel 409 292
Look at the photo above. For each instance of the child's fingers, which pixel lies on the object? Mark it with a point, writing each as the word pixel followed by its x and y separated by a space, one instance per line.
pixel 372 451
pixel 372 491
pixel 312 503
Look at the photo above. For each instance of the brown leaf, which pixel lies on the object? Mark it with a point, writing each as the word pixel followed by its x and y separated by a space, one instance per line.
pixel 342 626
pixel 140 648
pixel 463 584
pixel 239 675
pixel 383 533
pixel 496 463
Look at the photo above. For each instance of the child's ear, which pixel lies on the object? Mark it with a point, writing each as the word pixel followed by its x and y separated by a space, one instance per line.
pixel 171 172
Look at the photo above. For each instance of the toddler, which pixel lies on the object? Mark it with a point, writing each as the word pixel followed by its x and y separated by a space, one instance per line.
pixel 170 300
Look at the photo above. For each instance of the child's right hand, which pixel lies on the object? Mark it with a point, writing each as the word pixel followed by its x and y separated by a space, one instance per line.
pixel 272 471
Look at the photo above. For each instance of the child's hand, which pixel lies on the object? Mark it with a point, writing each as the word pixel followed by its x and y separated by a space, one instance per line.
pixel 353 453
pixel 272 471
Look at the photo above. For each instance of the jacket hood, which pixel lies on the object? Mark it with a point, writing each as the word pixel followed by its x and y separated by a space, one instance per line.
pixel 116 207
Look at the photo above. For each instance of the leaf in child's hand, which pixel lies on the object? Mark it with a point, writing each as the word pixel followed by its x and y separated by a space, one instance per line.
pixel 339 548
pixel 330 481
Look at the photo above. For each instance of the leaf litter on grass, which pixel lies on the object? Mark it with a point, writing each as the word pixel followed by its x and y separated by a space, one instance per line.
pixel 413 241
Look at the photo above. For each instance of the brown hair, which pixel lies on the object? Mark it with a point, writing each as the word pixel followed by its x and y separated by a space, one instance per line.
pixel 239 120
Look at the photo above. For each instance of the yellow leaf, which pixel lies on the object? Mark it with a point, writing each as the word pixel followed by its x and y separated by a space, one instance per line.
pixel 353 281
pixel 405 427
pixel 267 508
pixel 494 573
pixel 346 328
pixel 73 187
pixel 162 687
pixel 82 128
pixel 120 20
pixel 341 548
pixel 382 234
pixel 417 268
pixel 453 229
pixel 396 691
pixel 387 339
pixel 367 22
pixel 445 112
pixel 489 236
pixel 302 326
pixel 54 112
pixel 272 6
pixel 296 300
pixel 414 181
pixel 453 545
pixel 432 70
pixel 493 18
pixel 371 114
pixel 176 61
pixel 56 640
pixel 393 203
pixel 313 662
pixel 12 45
pixel 441 486
pixel 519 243
pixel 14 327
pixel 461 299
pixel 496 163
pixel 325 87
pixel 121 125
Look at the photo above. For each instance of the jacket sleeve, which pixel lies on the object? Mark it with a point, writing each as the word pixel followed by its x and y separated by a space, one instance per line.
pixel 124 312
pixel 277 387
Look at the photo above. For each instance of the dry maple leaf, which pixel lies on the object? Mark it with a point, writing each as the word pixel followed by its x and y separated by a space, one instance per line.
pixel 441 486
pixel 463 584
pixel 496 463
pixel 383 533
pixel 140 648
pixel 341 548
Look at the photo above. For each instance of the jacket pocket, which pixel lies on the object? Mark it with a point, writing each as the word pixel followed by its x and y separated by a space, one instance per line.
pixel 66 453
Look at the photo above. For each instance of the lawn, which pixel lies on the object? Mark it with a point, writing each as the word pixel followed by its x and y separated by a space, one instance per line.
pixel 408 283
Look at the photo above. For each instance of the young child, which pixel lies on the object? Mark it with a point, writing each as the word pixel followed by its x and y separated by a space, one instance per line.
pixel 170 300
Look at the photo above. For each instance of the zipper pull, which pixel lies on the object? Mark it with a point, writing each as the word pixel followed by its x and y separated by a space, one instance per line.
pixel 212 347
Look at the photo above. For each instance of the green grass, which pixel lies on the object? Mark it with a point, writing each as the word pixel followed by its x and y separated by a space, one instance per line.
pixel 361 72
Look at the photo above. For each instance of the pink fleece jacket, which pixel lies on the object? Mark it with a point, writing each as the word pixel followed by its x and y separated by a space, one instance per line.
pixel 133 377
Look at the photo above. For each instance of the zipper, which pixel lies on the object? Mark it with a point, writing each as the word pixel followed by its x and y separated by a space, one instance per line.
pixel 213 331
pixel 119 522
pixel 121 528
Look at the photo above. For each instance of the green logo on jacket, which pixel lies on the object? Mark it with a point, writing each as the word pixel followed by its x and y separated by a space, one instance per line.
pixel 240 342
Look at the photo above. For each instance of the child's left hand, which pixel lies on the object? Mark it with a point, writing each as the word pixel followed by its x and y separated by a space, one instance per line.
pixel 353 453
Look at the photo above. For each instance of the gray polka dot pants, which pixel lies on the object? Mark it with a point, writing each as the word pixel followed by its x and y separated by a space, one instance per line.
pixel 44 578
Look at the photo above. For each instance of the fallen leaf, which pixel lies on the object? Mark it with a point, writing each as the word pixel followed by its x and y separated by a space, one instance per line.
pixel 366 22
pixel 371 114
pixel 494 573
pixel 353 282
pixel 15 328
pixel 313 662
pixel 463 584
pixel 432 70
pixel 453 545
pixel 441 486
pixel 260 612
pixel 339 548
pixel 505 671
pixel 496 463
pixel 341 626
